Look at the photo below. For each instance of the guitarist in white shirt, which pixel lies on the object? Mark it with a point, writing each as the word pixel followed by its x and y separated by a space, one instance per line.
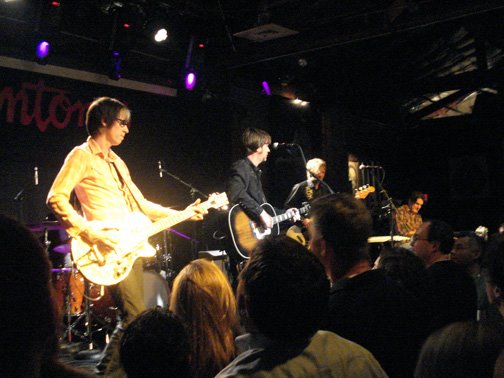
pixel 105 191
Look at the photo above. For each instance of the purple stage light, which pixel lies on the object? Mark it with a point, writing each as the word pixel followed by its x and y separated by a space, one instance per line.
pixel 43 49
pixel 266 88
pixel 190 81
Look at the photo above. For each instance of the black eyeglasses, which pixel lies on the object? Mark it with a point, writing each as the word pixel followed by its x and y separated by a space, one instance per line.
pixel 123 122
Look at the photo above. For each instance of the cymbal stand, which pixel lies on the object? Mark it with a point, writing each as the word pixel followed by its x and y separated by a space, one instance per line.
pixel 92 352
pixel 167 257
pixel 71 327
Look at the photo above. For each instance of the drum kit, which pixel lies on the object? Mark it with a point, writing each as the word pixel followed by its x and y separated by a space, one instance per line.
pixel 87 308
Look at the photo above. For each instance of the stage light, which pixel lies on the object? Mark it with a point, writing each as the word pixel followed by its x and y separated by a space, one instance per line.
pixel 190 81
pixel 161 35
pixel 266 88
pixel 42 52
pixel 115 71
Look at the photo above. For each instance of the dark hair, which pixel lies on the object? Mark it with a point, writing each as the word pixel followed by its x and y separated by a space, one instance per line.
pixel 286 288
pixel 253 138
pixel 493 263
pixel 345 224
pixel 28 326
pixel 103 108
pixel 155 344
pixel 415 195
pixel 441 232
pixel 405 268
pixel 462 349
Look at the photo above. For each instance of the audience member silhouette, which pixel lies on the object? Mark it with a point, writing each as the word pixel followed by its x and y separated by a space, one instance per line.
pixel 282 298
pixel 463 350
pixel 28 315
pixel 453 293
pixel 155 345
pixel 468 252
pixel 202 297
pixel 365 305
pixel 494 274
pixel 406 269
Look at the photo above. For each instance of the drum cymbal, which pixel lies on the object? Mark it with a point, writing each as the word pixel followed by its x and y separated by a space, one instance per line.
pixel 45 226
pixel 63 248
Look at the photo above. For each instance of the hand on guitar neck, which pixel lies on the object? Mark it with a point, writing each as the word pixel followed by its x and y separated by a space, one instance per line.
pixel 267 220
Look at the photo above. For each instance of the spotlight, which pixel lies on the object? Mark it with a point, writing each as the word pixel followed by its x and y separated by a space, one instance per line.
pixel 266 88
pixel 161 35
pixel 115 69
pixel 42 52
pixel 190 81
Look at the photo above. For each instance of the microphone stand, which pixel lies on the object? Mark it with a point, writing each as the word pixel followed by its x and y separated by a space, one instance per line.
pixel 390 208
pixel 193 191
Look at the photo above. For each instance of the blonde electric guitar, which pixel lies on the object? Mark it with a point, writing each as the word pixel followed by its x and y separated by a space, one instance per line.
pixel 111 267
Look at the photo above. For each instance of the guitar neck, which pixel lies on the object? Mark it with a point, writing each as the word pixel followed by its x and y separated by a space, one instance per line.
pixel 280 218
pixel 172 220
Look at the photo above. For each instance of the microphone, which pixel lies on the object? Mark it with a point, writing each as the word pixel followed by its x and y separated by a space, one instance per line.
pixel 277 145
pixel 35 175
pixel 160 166
pixel 363 166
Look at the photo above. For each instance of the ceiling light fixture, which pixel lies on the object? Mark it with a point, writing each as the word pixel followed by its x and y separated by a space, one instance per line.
pixel 190 81
pixel 42 52
pixel 161 35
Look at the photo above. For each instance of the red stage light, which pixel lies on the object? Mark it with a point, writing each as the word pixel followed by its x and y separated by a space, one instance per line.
pixel 55 3
pixel 126 26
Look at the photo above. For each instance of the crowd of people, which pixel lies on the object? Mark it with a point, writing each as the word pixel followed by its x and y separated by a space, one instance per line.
pixel 433 310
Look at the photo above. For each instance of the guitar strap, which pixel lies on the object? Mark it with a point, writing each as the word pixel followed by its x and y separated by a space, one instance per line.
pixel 133 202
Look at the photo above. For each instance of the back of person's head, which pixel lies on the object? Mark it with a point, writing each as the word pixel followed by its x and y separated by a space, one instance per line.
pixel 440 231
pixel 203 298
pixel 155 344
pixel 27 314
pixel 415 195
pixel 285 290
pixel 103 108
pixel 253 138
pixel 345 224
pixel 493 267
pixel 405 268
pixel 463 349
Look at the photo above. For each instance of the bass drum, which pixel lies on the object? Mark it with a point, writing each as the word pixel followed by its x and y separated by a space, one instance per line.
pixel 156 290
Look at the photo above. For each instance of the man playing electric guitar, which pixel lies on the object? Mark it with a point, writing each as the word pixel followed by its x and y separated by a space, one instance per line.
pixel 244 184
pixel 105 191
